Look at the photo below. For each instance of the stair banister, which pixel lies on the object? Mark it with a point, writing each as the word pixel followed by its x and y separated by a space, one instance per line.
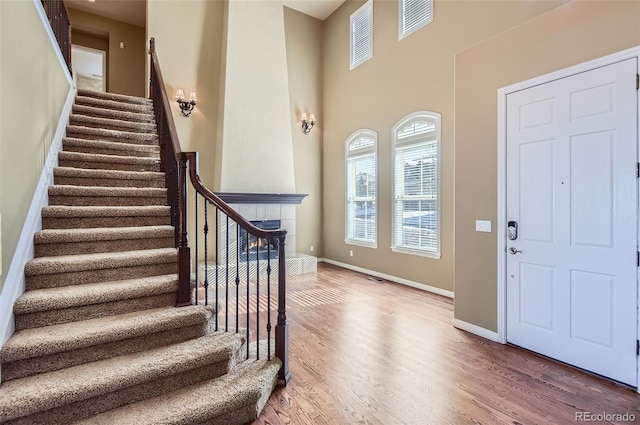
pixel 175 162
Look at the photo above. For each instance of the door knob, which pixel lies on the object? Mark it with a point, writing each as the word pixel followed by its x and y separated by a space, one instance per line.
pixel 513 250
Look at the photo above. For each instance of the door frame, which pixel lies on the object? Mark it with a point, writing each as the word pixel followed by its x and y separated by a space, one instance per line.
pixel 501 221
pixel 104 61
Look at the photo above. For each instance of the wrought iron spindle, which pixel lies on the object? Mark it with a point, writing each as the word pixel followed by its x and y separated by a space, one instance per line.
pixel 248 293
pixel 269 300
pixel 206 254
pixel 257 302
pixel 238 243
pixel 226 300
pixel 196 232
pixel 217 265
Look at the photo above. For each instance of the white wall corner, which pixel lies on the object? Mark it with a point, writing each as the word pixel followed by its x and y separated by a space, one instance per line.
pixel 14 285
pixel 475 329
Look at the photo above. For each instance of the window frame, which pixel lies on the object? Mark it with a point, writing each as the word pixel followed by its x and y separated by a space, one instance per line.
pixel 362 9
pixel 402 35
pixel 361 152
pixel 414 117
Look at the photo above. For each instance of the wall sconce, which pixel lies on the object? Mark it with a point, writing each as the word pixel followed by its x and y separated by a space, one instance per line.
pixel 307 125
pixel 186 106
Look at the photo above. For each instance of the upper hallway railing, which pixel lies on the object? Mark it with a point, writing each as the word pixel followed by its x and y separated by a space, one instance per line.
pixel 61 25
pixel 235 262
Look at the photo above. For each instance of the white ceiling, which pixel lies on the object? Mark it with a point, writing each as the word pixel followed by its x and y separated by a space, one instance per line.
pixel 134 12
pixel 319 9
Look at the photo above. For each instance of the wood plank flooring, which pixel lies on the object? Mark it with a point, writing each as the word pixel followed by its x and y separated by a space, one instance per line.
pixel 364 352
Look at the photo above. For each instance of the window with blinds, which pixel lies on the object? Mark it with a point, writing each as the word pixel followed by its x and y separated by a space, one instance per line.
pixel 361 209
pixel 362 34
pixel 416 185
pixel 414 14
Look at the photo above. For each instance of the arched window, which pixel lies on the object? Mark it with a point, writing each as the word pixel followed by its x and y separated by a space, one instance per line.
pixel 361 173
pixel 416 185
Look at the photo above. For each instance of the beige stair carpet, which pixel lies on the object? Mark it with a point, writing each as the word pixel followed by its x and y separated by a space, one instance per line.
pixel 98 337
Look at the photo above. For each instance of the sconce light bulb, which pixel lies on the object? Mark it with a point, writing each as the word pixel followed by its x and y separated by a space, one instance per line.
pixel 179 94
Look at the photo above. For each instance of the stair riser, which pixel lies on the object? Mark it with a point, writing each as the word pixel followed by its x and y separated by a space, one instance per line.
pixel 93 247
pixel 136 100
pixel 93 311
pixel 78 181
pixel 92 222
pixel 118 106
pixel 101 275
pixel 152 152
pixel 114 125
pixel 93 406
pixel 142 139
pixel 36 365
pixel 106 200
pixel 109 165
pixel 113 114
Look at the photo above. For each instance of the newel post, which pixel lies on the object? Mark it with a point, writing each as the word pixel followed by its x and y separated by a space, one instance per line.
pixel 184 252
pixel 282 326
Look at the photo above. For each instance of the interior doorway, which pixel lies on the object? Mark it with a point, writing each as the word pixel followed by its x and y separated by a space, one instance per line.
pixel 89 68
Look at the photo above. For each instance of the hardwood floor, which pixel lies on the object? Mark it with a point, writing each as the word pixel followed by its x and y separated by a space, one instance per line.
pixel 364 352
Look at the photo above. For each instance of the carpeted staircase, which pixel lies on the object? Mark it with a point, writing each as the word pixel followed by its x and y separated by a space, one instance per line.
pixel 98 339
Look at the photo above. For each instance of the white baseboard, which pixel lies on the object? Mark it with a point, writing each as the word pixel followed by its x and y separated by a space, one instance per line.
pixel 476 330
pixel 428 288
pixel 15 282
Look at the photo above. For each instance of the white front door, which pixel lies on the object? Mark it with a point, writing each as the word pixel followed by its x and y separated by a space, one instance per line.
pixel 572 190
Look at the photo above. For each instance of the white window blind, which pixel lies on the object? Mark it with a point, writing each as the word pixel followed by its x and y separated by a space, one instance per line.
pixel 416 225
pixel 414 14
pixel 362 34
pixel 361 214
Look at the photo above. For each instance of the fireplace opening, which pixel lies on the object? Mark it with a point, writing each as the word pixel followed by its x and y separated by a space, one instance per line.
pixel 258 248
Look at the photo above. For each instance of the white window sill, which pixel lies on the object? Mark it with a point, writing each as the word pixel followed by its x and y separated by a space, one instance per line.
pixel 428 254
pixel 361 243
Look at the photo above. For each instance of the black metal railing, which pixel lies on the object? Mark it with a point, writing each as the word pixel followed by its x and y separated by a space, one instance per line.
pixel 61 25
pixel 244 288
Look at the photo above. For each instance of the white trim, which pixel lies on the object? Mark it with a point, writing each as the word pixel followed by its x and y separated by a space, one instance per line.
pixel 52 39
pixel 418 252
pixel 502 164
pixel 355 15
pixel 402 35
pixel 475 329
pixel 14 284
pixel 361 243
pixel 406 282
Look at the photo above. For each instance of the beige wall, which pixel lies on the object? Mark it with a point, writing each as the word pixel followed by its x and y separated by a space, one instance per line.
pixel 575 33
pixel 304 58
pixel 416 73
pixel 34 89
pixel 126 67
pixel 257 151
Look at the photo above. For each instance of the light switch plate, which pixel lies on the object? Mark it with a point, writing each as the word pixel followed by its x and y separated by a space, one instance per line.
pixel 483 226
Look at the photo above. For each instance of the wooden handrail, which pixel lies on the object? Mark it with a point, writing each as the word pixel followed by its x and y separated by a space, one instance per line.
pixel 173 134
pixel 174 163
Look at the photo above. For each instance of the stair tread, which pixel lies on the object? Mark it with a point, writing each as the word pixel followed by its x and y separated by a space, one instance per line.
pixel 74 141
pixel 106 233
pixel 115 96
pixel 115 134
pixel 113 104
pixel 99 157
pixel 82 120
pixel 107 174
pixel 63 337
pixel 198 403
pixel 38 300
pixel 66 211
pixel 68 190
pixel 25 396
pixel 102 260
pixel 130 116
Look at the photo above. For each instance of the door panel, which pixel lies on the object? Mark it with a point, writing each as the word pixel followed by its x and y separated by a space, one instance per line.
pixel 571 186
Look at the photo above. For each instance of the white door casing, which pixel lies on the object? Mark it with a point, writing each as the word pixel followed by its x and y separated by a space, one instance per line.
pixel 571 149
